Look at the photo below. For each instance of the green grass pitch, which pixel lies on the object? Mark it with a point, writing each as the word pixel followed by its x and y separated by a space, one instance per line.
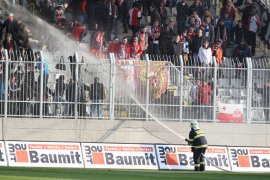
pixel 8 173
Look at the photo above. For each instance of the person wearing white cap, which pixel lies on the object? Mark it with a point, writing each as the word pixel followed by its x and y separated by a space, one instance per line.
pixel 198 144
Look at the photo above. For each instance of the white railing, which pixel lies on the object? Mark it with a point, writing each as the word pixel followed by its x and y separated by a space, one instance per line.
pixel 134 89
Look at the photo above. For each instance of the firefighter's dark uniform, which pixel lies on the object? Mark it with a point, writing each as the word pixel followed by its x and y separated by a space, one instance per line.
pixel 199 145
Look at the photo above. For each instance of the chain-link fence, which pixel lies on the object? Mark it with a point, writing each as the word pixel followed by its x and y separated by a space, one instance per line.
pixel 45 84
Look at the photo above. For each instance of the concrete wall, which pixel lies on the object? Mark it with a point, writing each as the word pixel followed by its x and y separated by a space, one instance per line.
pixel 86 130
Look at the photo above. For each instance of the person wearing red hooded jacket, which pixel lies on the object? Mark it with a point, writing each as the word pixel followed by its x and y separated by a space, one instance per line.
pixel 204 100
pixel 124 49
pixel 77 31
pixel 135 48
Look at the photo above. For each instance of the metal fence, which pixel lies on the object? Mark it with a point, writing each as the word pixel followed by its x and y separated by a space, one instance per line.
pixel 42 84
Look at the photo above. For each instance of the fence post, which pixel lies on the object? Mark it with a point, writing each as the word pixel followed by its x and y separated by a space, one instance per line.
pixel 76 84
pixel 147 85
pixel 215 89
pixel 112 79
pixel 41 84
pixel 181 78
pixel 6 84
pixel 249 90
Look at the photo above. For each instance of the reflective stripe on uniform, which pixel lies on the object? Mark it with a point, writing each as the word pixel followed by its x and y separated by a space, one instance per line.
pixel 199 135
pixel 201 146
pixel 202 162
pixel 197 165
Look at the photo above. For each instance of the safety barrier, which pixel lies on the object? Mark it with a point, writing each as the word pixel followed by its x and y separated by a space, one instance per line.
pixel 130 156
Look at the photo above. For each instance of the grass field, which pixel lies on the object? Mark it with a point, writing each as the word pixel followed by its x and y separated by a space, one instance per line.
pixel 94 174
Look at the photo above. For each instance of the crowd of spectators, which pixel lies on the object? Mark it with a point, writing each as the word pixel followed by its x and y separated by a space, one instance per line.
pixel 157 30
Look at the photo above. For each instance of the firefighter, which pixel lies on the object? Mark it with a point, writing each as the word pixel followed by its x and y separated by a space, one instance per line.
pixel 198 144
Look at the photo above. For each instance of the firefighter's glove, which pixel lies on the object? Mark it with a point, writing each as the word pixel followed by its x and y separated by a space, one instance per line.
pixel 186 140
pixel 192 149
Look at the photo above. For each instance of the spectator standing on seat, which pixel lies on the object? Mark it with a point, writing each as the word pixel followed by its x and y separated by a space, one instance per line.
pixel 97 96
pixel 265 91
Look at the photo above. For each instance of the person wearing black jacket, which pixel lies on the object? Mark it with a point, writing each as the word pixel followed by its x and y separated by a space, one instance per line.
pixel 182 16
pixel 96 95
pixel 70 96
pixel 10 25
pixel 196 43
pixel 198 144
pixel 60 88
pixel 238 32
pixel 196 6
pixel 166 37
pixel 176 50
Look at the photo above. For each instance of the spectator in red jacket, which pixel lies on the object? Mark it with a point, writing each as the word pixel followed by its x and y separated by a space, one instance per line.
pixel 204 100
pixel 113 46
pixel 135 48
pixel 124 49
pixel 143 39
